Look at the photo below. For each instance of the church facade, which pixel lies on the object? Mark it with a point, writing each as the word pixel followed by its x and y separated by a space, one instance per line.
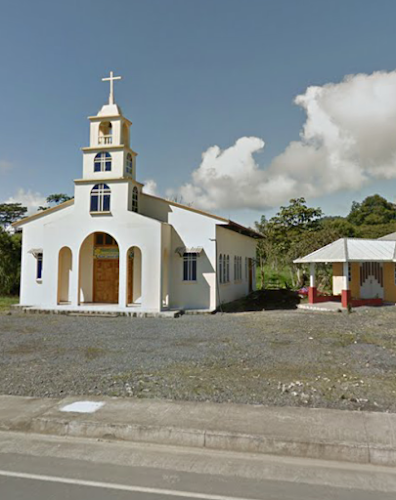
pixel 114 246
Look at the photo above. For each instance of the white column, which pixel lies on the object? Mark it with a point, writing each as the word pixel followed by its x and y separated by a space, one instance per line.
pixel 312 275
pixel 123 277
pixel 75 278
pixel 345 284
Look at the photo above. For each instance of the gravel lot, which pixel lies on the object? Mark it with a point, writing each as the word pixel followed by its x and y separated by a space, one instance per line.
pixel 290 357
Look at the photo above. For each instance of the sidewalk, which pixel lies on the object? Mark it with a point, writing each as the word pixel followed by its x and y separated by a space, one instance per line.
pixel 359 437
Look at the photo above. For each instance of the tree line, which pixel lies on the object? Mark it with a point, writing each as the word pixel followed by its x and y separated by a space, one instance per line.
pixel 294 231
pixel 297 230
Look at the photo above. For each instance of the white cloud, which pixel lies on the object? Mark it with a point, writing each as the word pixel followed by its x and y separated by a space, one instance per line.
pixel 5 165
pixel 348 140
pixel 31 200
pixel 150 187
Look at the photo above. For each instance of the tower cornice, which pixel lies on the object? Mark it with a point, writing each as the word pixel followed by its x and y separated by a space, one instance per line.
pixel 97 118
pixel 105 180
pixel 109 147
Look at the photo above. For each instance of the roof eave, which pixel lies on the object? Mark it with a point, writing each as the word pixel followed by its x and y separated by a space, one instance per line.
pixel 43 213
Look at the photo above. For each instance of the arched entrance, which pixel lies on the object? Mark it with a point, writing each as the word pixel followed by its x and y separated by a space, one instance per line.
pixel 64 275
pixel 134 281
pixel 99 269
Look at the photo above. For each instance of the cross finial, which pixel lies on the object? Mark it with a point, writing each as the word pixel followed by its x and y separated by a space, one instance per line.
pixel 111 79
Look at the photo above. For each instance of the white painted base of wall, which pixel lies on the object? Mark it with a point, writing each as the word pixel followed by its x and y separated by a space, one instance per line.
pixel 112 309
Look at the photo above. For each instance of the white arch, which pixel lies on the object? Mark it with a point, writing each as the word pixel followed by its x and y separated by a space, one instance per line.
pixel 65 268
pixel 88 268
pixel 134 275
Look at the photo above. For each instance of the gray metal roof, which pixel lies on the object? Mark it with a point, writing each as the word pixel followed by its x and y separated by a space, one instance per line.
pixel 353 250
pixel 389 237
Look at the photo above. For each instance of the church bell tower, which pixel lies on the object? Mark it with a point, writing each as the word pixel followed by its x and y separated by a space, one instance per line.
pixel 109 155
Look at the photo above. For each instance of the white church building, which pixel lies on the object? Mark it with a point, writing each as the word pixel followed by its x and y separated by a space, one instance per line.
pixel 115 247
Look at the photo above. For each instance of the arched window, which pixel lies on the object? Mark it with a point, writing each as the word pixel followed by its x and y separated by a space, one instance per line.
pixel 102 162
pixel 135 199
pixel 100 198
pixel 129 164
pixel 105 133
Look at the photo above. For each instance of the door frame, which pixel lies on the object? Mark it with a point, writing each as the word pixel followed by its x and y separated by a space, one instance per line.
pixel 94 282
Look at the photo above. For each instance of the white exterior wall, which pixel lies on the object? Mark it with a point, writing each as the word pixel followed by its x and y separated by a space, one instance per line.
pixel 118 157
pixel 70 227
pixel 162 282
pixel 235 244
pixel 338 284
pixel 157 231
pixel 193 230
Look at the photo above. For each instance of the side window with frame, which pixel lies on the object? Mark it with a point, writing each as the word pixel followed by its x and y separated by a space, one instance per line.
pixel 135 199
pixel 190 267
pixel 102 162
pixel 39 267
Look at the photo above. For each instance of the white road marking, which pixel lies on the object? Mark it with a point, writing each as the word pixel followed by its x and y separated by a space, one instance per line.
pixel 115 486
pixel 83 407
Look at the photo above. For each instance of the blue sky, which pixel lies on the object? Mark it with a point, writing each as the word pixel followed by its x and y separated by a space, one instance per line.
pixel 195 74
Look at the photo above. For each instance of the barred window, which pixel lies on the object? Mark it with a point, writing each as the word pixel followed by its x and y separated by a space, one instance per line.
pixel 190 267
pixel 129 164
pixel 227 269
pixel 246 268
pixel 224 268
pixel 39 266
pixel 102 162
pixel 237 268
pixel 135 199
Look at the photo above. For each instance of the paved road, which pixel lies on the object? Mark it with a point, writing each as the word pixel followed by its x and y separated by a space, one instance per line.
pixel 40 468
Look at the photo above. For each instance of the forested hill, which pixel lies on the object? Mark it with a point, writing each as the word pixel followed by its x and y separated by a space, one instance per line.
pixel 297 230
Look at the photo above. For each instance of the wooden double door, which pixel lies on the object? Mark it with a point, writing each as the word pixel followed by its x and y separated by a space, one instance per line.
pixel 106 281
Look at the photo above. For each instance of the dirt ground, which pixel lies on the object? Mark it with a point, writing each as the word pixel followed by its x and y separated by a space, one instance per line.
pixel 273 357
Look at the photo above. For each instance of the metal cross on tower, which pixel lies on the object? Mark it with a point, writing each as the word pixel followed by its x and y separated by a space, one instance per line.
pixel 111 79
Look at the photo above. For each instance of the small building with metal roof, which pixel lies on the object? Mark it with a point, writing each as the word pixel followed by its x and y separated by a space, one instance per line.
pixel 364 270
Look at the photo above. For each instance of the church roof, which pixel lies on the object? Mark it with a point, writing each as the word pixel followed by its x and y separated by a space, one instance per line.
pixel 229 224
pixel 110 110
pixel 388 237
pixel 37 215
pixel 352 250
pixel 233 226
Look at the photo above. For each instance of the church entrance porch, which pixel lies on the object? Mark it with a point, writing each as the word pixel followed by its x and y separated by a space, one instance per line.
pixel 99 270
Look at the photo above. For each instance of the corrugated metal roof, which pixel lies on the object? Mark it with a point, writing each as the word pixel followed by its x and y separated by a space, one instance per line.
pixel 372 250
pixel 353 249
pixel 389 237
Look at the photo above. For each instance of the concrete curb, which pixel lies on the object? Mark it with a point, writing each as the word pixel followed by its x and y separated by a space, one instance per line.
pixel 107 313
pixel 358 437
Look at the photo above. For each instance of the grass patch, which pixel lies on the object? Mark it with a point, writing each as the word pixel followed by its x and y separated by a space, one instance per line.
pixel 7 302
pixel 91 353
